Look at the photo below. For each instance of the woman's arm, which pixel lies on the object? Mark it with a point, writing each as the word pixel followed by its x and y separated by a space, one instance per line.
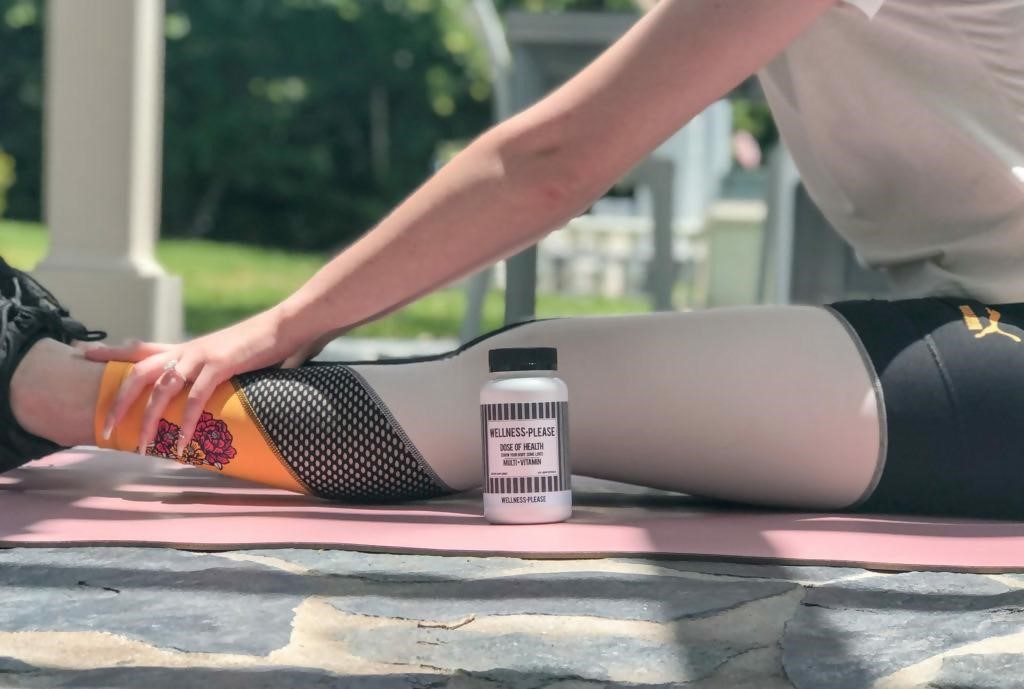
pixel 532 173
pixel 511 186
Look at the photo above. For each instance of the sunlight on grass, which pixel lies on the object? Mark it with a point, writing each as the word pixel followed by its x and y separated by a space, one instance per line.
pixel 226 282
pixel 22 244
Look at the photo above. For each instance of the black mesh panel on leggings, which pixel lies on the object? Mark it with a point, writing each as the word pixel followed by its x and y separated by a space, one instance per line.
pixel 337 435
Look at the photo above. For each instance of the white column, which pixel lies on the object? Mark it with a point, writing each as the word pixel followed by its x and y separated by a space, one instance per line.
pixel 103 138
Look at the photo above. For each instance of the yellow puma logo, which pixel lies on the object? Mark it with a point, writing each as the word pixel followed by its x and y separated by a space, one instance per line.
pixel 973 323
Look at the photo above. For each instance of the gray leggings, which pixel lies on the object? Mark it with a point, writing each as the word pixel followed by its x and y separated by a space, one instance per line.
pixel 771 405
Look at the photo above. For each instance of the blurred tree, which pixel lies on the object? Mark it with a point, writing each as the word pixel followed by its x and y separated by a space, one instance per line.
pixel 7 177
pixel 751 114
pixel 290 122
pixel 21 97
pixel 567 5
pixel 301 122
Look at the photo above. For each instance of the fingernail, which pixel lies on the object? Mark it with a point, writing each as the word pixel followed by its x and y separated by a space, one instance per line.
pixel 108 428
pixel 179 450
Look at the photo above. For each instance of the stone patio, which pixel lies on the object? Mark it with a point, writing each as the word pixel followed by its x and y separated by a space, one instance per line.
pixel 159 618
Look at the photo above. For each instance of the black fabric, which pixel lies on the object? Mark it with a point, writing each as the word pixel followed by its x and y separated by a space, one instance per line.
pixel 952 380
pixel 28 313
pixel 336 435
pixel 21 288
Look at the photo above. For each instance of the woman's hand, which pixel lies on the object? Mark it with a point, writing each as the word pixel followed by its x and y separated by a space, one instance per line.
pixel 205 363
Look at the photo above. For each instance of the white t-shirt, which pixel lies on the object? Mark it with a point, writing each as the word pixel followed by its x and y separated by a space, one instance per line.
pixel 906 120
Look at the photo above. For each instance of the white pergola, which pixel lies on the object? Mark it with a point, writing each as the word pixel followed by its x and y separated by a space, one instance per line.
pixel 103 140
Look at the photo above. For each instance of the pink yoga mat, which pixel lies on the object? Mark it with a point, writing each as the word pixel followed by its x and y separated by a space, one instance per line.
pixel 88 497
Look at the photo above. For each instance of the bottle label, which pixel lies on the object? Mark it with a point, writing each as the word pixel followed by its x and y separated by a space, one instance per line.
pixel 525 447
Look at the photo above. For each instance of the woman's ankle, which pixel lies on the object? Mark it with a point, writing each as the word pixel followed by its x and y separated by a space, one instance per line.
pixel 53 393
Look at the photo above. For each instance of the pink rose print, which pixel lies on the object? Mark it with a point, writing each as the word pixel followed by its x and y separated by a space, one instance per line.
pixel 166 436
pixel 211 443
pixel 215 439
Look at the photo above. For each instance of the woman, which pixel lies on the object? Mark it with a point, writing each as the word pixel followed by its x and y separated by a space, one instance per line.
pixel 907 121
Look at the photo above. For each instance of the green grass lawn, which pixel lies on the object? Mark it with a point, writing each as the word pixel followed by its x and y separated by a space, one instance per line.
pixel 227 282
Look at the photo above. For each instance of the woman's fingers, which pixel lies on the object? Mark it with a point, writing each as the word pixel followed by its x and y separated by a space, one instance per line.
pixel 144 373
pixel 84 346
pixel 133 351
pixel 168 384
pixel 202 389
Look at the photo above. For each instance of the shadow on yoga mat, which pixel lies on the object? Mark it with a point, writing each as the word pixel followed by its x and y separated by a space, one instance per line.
pixel 81 497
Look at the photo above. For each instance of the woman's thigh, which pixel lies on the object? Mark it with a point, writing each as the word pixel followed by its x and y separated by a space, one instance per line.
pixel 768 405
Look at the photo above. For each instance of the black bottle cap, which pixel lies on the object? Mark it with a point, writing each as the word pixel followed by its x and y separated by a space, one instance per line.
pixel 523 359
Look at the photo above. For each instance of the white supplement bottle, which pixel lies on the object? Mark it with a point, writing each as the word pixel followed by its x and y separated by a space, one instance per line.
pixel 524 413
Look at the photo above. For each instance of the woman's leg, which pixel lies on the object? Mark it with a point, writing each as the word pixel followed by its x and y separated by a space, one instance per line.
pixel 53 393
pixel 768 405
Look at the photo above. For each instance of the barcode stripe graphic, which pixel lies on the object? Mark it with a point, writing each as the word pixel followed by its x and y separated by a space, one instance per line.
pixel 513 411
pixel 566 449
pixel 561 453
pixel 483 438
pixel 563 458
pixel 563 446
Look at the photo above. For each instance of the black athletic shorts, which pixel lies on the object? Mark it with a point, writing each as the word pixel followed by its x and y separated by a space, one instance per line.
pixel 951 376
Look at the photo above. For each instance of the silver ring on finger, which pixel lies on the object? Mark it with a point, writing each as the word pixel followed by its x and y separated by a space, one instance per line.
pixel 172 367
